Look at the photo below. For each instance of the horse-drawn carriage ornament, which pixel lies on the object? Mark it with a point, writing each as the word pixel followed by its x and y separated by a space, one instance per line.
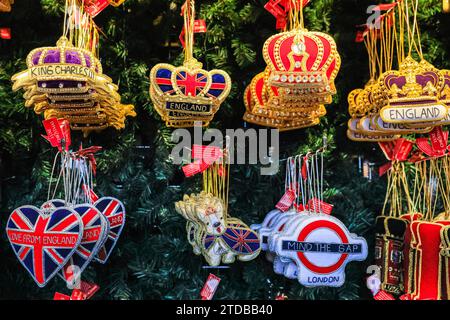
pixel 211 230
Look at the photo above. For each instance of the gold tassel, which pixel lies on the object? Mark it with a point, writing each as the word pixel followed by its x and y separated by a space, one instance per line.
pixel 446 6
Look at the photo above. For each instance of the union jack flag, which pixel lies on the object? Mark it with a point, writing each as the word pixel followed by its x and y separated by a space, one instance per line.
pixel 191 84
pixel 243 241
pixel 44 243
pixel 95 227
pixel 114 211
pixel 163 80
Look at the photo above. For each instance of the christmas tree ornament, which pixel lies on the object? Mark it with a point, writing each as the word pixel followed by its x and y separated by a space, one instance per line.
pixel 211 230
pixel 44 243
pixel 187 94
pixel 65 235
pixel 396 102
pixel 301 238
pixel 114 211
pixel 446 6
pixel 299 78
pixel 95 230
pixel 67 81
pixel 5 5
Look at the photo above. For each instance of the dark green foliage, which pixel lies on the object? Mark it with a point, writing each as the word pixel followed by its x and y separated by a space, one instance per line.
pixel 153 260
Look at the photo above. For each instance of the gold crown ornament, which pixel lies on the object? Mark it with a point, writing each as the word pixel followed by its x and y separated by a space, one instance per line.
pixel 5 5
pixel 299 78
pixel 67 80
pixel 412 93
pixel 188 94
pixel 261 112
pixel 397 102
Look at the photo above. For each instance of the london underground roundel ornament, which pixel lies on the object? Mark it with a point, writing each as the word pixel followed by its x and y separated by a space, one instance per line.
pixel 321 246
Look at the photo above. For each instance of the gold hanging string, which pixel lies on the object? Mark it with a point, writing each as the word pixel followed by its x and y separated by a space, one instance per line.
pixel 418 44
pixel 189 21
pixel 405 186
pixel 216 179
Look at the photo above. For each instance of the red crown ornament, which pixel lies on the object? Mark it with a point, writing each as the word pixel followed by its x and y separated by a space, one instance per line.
pixel 304 62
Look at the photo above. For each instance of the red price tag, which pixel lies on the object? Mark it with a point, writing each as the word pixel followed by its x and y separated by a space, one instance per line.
pixel 319 206
pixel 5 33
pixel 286 201
pixel 57 130
pixel 60 296
pixel 94 7
pixel 210 287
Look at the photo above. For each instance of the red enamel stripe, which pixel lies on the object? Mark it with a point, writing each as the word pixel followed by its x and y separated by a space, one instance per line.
pixel 17 219
pixel 24 252
pixel 55 255
pixel 111 208
pixel 88 216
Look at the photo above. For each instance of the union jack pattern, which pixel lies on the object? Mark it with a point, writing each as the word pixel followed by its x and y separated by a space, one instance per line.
pixel 114 211
pixel 95 227
pixel 190 84
pixel 44 243
pixel 242 241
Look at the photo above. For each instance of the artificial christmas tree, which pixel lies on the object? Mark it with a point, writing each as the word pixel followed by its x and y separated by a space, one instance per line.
pixel 153 259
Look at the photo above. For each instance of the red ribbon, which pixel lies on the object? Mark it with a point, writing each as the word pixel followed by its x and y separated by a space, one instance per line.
pixel 85 292
pixel 88 153
pixel 438 147
pixel 280 8
pixel 394 151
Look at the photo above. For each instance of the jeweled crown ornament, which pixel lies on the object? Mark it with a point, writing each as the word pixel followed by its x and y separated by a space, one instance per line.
pixel 304 60
pixel 414 88
pixel 5 5
pixel 187 94
pixel 299 78
pixel 67 80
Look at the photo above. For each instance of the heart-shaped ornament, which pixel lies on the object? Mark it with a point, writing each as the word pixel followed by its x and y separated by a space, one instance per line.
pixel 96 228
pixel 114 211
pixel 44 243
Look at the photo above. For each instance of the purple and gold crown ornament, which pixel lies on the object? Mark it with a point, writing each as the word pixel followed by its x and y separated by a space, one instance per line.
pixel 67 81
pixel 413 93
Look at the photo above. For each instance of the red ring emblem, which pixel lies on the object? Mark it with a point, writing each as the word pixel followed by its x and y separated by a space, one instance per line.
pixel 316 225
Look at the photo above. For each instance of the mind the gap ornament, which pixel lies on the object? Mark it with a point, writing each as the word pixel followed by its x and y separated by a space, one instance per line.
pixel 187 94
pixel 301 238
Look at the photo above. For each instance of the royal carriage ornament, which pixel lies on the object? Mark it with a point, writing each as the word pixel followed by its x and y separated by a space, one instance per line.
pixel 211 230
pixel 187 94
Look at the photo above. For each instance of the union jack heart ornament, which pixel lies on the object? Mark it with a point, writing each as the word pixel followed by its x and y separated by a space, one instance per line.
pixel 44 243
pixel 96 229
pixel 114 211
pixel 183 95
